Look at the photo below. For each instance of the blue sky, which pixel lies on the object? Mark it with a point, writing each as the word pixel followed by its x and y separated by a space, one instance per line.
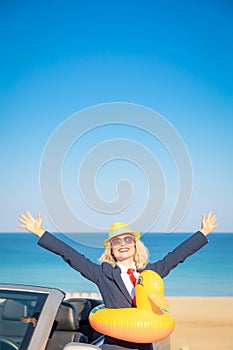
pixel 172 57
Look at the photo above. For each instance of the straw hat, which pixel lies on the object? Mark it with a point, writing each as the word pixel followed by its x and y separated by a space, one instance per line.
pixel 120 228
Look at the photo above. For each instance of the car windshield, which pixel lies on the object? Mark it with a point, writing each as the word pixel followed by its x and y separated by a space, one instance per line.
pixel 19 312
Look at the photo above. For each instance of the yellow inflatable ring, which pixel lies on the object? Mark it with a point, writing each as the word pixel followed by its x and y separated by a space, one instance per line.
pixel 147 323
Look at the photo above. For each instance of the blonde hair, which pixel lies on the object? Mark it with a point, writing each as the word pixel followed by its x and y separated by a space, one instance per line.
pixel 141 257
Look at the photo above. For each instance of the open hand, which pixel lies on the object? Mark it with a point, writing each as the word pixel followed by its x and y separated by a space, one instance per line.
pixel 208 224
pixel 31 224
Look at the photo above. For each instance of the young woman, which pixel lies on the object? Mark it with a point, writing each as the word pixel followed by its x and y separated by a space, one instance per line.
pixel 123 251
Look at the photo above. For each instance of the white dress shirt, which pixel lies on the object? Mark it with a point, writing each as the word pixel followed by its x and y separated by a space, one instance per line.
pixel 126 279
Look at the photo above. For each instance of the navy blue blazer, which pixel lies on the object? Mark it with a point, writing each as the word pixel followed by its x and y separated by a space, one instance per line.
pixel 108 279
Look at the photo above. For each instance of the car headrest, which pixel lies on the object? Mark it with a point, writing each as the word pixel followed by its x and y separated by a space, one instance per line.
pixel 83 306
pixel 66 318
pixel 13 310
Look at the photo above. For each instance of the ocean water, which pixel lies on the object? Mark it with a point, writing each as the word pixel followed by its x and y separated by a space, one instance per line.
pixel 206 273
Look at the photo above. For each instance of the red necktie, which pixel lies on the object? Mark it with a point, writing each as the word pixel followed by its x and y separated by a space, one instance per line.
pixel 133 279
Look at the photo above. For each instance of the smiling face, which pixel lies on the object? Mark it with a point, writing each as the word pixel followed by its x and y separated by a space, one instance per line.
pixel 123 248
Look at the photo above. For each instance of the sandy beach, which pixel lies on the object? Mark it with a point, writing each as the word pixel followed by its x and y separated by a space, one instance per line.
pixel 202 323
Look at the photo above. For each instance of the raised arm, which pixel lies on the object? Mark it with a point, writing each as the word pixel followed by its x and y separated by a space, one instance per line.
pixel 29 223
pixel 76 260
pixel 187 248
